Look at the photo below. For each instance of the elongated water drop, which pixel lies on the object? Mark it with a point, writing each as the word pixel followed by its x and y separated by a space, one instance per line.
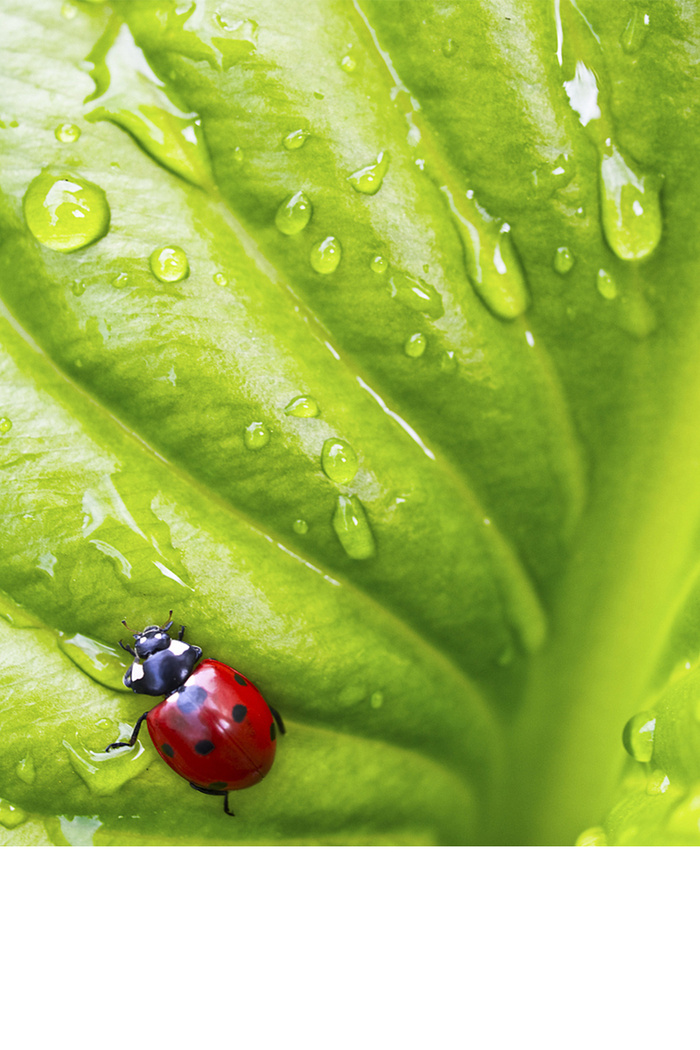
pixel 11 816
pixel 635 32
pixel 104 772
pixel 169 264
pixel 417 294
pixel 26 770
pixel 605 284
pixel 121 280
pixel 325 256
pixel 100 662
pixel 368 180
pixel 295 139
pixel 293 214
pixel 65 212
pixel 563 260
pixel 67 133
pixel 303 408
pixel 638 736
pixel 256 436
pixel 630 208
pixel 415 345
pixel 353 529
pixel 339 461
pixel 5 425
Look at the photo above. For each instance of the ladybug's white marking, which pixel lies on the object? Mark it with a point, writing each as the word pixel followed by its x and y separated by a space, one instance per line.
pixel 136 672
pixel 177 647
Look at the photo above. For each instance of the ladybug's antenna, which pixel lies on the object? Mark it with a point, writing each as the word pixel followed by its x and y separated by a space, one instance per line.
pixel 126 625
pixel 168 625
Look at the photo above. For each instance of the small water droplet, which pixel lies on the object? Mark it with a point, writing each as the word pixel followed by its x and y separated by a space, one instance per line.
pixel 25 770
pixel 630 208
pixel 103 663
pixel 300 526
pixel 417 294
pixel 415 345
pixel 293 214
pixel 606 284
pixel 169 264
pixel 256 436
pixel 121 280
pixel 11 816
pixel 448 362
pixel 77 288
pixel 5 425
pixel 295 139
pixel 638 736
pixel 67 132
pixel 450 47
pixel 339 461
pixel 378 264
pixel 221 279
pixel 368 180
pixel 352 529
pixel 658 783
pixel 69 11
pixel 104 772
pixel 303 408
pixel 348 63
pixel 563 260
pixel 376 699
pixel 237 157
pixel 635 32
pixel 592 837
pixel 325 256
pixel 319 95
pixel 65 212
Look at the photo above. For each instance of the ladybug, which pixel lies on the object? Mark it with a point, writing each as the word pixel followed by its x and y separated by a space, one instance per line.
pixel 213 728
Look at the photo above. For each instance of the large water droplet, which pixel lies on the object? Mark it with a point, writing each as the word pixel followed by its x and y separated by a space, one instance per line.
pixel 417 294
pixel 630 208
pixel 638 736
pixel 605 284
pixel 563 260
pixel 293 214
pixel 100 662
pixel 169 264
pixel 339 461
pixel 65 212
pixel 67 133
pixel 11 816
pixel 325 256
pixel 5 425
pixel 635 32
pixel 295 139
pixel 415 345
pixel 303 408
pixel 25 770
pixel 353 529
pixel 369 179
pixel 105 772
pixel 256 436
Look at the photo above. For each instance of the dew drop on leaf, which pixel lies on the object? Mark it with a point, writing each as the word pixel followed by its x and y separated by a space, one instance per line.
pixel 563 260
pixel 352 528
pixel 606 284
pixel 104 772
pixel 11 816
pixel 303 408
pixel 417 294
pixel 65 212
pixel 78 288
pixel 26 770
pixel 348 63
pixel 592 837
pixel 339 461
pixel 103 663
pixel 630 207
pixel 121 280
pixel 634 34
pixel 368 180
pixel 658 783
pixel 256 436
pixel 638 736
pixel 450 48
pixel 300 526
pixel 169 264
pixel 415 345
pixel 325 256
pixel 221 279
pixel 67 132
pixel 5 425
pixel 378 264
pixel 295 139
pixel 293 214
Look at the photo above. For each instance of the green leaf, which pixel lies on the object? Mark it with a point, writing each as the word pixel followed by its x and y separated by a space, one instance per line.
pixel 367 344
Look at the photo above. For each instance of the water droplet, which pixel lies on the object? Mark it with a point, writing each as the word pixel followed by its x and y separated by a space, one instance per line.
pixel 415 345
pixel 606 284
pixel 658 783
pixel 378 264
pixel 638 736
pixel 221 279
pixel 563 260
pixel 348 63
pixel 105 772
pixel 417 294
pixel 295 139
pixel 293 214
pixel 339 461
pixel 369 179
pixel 353 529
pixel 103 663
pixel 448 361
pixel 77 288
pixel 256 436
pixel 635 32
pixel 65 212
pixel 69 11
pixel 630 208
pixel 450 47
pixel 169 264
pixel 376 699
pixel 300 526
pixel 319 95
pixel 592 837
pixel 121 280
pixel 303 408
pixel 5 425
pixel 11 816
pixel 237 157
pixel 325 255
pixel 67 133
pixel 25 770
pixel 490 259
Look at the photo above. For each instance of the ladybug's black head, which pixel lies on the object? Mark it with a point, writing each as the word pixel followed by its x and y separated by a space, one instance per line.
pixel 151 640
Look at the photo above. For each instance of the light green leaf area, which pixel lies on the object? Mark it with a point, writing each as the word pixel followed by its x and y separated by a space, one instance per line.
pixel 365 339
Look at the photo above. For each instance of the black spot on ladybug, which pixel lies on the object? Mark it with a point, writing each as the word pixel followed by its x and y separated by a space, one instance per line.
pixel 167 750
pixel 239 712
pixel 273 731
pixel 240 679
pixel 203 747
pixel 190 698
pixel 217 785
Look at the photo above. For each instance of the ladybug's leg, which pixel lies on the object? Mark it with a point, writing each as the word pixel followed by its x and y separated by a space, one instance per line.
pixel 127 648
pixel 214 791
pixel 278 719
pixel 181 633
pixel 226 809
pixel 132 739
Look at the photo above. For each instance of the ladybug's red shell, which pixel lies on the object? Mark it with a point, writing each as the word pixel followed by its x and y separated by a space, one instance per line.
pixel 216 730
